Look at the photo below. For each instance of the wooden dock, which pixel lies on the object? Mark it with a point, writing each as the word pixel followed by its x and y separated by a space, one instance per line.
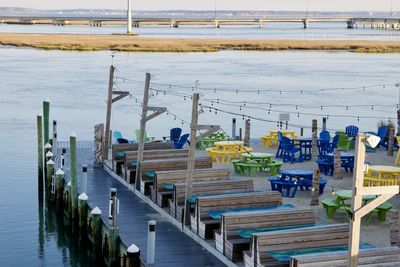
pixel 173 246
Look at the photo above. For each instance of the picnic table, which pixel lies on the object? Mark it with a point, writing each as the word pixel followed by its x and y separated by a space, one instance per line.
pixel 225 151
pixel 284 256
pixel 209 141
pixel 305 146
pixel 378 175
pixel 294 178
pixel 326 165
pixel 331 205
pixel 251 162
pixel 271 139
pixel 217 214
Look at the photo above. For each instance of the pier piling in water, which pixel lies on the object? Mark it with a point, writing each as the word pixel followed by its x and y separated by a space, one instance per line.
pixel 59 187
pixel 95 229
pixel 39 125
pixel 133 253
pixel 74 177
pixel 82 207
pixel 54 139
pixel 84 178
pixel 46 114
pixel 49 175
pixel 151 242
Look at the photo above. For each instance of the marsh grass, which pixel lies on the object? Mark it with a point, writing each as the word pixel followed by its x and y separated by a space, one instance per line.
pixel 72 42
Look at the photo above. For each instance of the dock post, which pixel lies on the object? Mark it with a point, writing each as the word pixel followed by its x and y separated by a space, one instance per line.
pixel 324 124
pixel 59 187
pixel 48 156
pixel 337 168
pixel 84 178
pixel 240 134
pixel 47 148
pixel 315 188
pixel 314 131
pixel 40 151
pixel 55 137
pixel 74 177
pixel 46 114
pixel 151 242
pixel 114 230
pixel 82 211
pixel 49 175
pixel 234 128
pixel 96 225
pixel 247 133
pixel 133 253
pixel 302 131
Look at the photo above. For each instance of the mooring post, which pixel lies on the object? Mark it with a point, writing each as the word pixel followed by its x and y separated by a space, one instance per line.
pixel 96 226
pixel 234 128
pixel 46 114
pixel 40 151
pixel 59 186
pixel 47 148
pixel 114 230
pixel 151 242
pixel 314 130
pixel 337 169
pixel 315 188
pixel 324 124
pixel 49 175
pixel 63 152
pixel 74 177
pixel 82 211
pixel 247 133
pixel 133 254
pixel 301 131
pixel 84 178
pixel 55 137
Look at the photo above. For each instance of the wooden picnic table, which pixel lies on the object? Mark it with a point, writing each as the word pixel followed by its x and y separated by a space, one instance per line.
pixel 379 175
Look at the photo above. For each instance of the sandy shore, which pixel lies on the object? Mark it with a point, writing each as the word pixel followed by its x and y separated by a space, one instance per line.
pixel 74 42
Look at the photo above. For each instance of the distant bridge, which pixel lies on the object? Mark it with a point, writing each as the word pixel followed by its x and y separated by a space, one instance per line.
pixel 378 23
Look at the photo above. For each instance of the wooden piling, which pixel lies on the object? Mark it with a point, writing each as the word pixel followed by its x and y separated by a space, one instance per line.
pixel 394 224
pixel 96 226
pixel 108 115
pixel 82 212
pixel 247 133
pixel 40 151
pixel 47 148
pixel 133 254
pixel 59 187
pixel 391 140
pixel 240 134
pixel 314 129
pixel 46 114
pixel 315 188
pixel 54 138
pixel 74 178
pixel 337 168
pixel 49 175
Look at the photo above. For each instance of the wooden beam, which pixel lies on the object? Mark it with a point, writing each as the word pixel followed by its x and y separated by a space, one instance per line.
pixel 378 190
pixel 120 95
pixel 108 115
pixel 371 206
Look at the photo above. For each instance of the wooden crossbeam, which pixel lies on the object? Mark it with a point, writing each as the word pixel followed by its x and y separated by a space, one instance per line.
pixel 120 95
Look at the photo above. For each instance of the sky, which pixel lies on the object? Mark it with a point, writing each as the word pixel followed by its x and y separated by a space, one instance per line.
pixel 296 5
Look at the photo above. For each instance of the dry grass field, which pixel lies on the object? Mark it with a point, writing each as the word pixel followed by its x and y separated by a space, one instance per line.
pixel 74 42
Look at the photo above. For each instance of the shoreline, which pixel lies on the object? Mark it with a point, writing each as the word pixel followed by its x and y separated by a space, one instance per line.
pixel 124 43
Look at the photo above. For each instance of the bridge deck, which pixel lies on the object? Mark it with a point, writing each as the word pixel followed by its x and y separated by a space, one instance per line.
pixel 173 247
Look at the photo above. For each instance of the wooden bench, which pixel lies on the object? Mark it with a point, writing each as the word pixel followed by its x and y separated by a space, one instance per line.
pixel 204 225
pixel 177 203
pixel 118 151
pixel 229 241
pixel 389 256
pixel 130 159
pixel 147 169
pixel 264 245
pixel 160 195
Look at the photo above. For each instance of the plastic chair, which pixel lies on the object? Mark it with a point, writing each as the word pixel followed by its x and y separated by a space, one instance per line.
pixel 184 138
pixel 382 133
pixel 116 135
pixel 175 134
pixel 323 142
pixel 351 131
pixel 146 139
pixel 279 151
pixel 290 150
pixel 334 144
pixel 344 141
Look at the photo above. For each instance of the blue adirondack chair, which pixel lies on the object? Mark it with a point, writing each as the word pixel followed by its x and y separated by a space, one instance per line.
pixel 334 144
pixel 351 131
pixel 382 133
pixel 175 134
pixel 290 150
pixel 279 151
pixel 182 141
pixel 323 142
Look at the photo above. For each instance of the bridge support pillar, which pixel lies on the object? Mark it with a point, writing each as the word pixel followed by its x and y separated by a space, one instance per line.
pixel 305 23
pixel 350 24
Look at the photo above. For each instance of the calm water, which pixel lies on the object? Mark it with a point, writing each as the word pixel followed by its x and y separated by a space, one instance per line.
pixel 76 84
pixel 270 31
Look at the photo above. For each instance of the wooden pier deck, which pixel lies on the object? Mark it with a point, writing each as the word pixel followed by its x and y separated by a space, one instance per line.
pixel 173 247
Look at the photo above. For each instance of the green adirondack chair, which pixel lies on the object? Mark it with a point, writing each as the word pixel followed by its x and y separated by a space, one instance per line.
pixel 344 141
pixel 146 138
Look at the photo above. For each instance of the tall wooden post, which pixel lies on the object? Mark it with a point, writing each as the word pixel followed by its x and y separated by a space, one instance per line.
pixel 74 177
pixel 314 130
pixel 391 140
pixel 40 151
pixel 247 133
pixel 143 121
pixel 398 121
pixel 358 191
pixel 315 188
pixel 59 187
pixel 55 138
pixel 108 115
pixel 337 168
pixel 46 114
